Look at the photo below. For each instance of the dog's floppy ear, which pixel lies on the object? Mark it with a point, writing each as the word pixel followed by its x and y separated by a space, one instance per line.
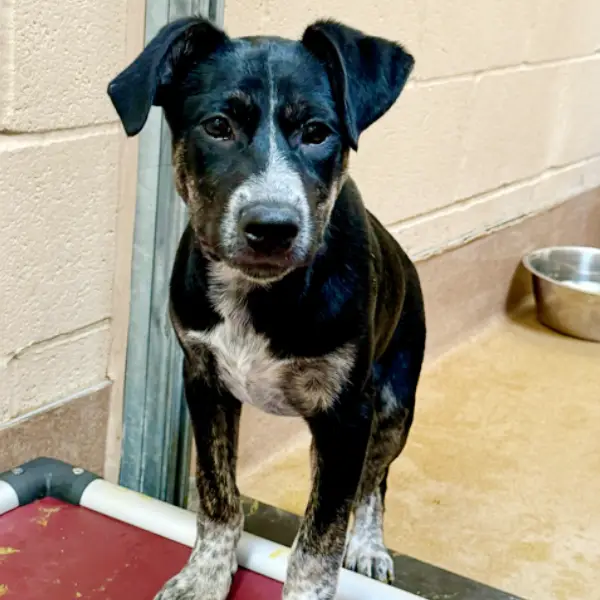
pixel 143 83
pixel 367 73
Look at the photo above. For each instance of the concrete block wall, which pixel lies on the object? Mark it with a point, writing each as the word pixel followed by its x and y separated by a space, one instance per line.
pixel 500 120
pixel 59 191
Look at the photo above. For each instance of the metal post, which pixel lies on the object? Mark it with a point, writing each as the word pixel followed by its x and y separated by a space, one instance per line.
pixel 156 448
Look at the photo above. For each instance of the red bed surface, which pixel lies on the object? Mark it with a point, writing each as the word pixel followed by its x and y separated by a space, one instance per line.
pixel 50 550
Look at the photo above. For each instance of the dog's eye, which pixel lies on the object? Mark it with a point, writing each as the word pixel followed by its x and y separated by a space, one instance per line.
pixel 315 133
pixel 218 128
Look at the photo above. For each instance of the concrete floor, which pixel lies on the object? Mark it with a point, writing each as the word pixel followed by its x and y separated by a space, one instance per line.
pixel 500 481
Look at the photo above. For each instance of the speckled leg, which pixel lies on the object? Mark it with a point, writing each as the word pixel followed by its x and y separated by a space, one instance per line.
pixel 339 448
pixel 366 552
pixel 212 564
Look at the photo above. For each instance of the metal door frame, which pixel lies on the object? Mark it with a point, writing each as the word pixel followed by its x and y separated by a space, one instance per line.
pixel 156 448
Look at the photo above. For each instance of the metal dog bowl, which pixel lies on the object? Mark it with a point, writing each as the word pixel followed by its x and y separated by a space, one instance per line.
pixel 566 285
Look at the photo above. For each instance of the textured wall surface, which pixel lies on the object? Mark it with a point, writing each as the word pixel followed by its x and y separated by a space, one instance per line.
pixel 499 121
pixel 59 187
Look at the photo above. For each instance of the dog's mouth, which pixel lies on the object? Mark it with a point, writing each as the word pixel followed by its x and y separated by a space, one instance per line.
pixel 264 267
pixel 255 266
pixel 262 273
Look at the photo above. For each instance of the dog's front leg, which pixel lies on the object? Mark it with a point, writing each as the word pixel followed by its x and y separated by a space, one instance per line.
pixel 340 442
pixel 208 574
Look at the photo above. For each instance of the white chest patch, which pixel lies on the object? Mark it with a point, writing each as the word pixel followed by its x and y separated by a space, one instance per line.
pixel 245 366
pixel 250 372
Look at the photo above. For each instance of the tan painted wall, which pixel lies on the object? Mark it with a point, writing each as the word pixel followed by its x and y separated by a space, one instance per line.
pixel 501 118
pixel 59 193
pixel 499 121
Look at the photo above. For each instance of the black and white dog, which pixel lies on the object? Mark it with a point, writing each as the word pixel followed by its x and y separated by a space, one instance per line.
pixel 286 292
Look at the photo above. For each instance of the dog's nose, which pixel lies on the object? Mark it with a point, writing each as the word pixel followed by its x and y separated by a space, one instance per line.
pixel 270 228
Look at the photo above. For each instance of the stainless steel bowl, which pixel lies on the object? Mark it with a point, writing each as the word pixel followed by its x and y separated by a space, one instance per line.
pixel 566 285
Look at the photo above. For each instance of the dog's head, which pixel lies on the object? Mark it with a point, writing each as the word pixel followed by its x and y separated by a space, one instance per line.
pixel 261 130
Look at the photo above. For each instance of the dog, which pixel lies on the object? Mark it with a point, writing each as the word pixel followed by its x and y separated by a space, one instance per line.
pixel 286 292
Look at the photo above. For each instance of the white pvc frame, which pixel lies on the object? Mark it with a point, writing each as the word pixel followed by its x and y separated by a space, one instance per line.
pixel 254 553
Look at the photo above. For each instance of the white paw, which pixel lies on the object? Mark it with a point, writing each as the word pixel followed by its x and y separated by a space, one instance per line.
pixel 369 558
pixel 311 576
pixel 309 595
pixel 197 582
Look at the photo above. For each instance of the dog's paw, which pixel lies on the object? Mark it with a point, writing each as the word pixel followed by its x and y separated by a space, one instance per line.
pixel 197 584
pixel 309 594
pixel 369 558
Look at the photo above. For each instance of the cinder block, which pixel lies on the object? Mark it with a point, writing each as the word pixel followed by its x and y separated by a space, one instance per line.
pixel 577 134
pixel 474 35
pixel 460 223
pixel 6 55
pixel 381 17
pixel 407 163
pixel 559 185
pixel 4 402
pixel 58 195
pixel 564 28
pixel 54 371
pixel 510 130
pixel 61 58
pixel 591 177
pixel 457 224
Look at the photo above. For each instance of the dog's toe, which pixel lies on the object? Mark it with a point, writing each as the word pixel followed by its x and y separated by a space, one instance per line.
pixel 188 585
pixel 370 559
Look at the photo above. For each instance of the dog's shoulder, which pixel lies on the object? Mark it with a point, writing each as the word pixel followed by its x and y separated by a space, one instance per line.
pixel 394 276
